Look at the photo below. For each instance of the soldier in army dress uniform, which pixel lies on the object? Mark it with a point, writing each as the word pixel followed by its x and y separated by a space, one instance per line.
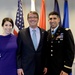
pixel 60 46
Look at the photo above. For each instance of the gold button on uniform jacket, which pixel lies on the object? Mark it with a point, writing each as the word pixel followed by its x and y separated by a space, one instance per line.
pixel 60 47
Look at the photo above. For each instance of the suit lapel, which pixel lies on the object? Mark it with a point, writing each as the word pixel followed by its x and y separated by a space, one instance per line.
pixel 50 36
pixel 57 33
pixel 41 38
pixel 30 42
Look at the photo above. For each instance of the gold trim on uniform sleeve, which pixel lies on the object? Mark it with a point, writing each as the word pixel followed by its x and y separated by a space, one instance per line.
pixel 67 67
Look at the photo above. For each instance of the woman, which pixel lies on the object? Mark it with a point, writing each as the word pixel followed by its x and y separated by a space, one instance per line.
pixel 8 47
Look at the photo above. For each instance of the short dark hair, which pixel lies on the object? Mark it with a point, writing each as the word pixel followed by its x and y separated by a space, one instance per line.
pixel 54 13
pixel 33 12
pixel 7 19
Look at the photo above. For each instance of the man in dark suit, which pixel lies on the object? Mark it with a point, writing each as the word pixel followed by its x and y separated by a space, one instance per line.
pixel 74 50
pixel 30 59
pixel 60 46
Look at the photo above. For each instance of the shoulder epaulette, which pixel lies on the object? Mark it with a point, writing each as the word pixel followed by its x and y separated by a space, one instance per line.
pixel 66 28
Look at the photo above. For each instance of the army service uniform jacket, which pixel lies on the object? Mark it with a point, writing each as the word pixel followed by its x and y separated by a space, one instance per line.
pixel 60 47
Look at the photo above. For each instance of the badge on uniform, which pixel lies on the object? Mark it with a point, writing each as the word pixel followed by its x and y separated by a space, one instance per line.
pixel 52 35
pixel 60 37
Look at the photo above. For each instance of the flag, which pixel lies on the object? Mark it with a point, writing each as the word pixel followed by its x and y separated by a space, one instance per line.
pixel 42 21
pixel 66 15
pixel 32 5
pixel 70 73
pixel 19 22
pixel 56 8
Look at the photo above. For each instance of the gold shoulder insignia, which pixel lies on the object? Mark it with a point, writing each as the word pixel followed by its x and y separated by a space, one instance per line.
pixel 66 28
pixel 67 67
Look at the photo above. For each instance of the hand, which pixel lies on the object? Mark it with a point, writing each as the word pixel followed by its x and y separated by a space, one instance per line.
pixel 63 73
pixel 20 72
pixel 45 70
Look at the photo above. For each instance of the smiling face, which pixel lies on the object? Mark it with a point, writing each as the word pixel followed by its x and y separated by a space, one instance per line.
pixel 32 19
pixel 7 28
pixel 54 21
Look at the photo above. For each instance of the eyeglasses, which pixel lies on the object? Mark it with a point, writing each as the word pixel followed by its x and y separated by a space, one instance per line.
pixel 32 17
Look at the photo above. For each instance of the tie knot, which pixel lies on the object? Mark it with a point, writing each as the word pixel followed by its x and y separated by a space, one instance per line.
pixel 34 30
